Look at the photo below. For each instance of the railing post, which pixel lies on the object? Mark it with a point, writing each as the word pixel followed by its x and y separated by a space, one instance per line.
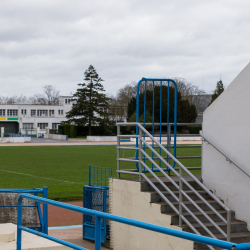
pixel 180 196
pixel 97 233
pixel 169 144
pixel 19 224
pixel 228 225
pixel 140 154
pixel 118 151
pixel 45 210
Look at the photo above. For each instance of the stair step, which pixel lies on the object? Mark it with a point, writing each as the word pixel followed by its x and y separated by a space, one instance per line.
pixel 165 208
pixel 236 227
pixel 241 237
pixel 155 197
pixel 200 216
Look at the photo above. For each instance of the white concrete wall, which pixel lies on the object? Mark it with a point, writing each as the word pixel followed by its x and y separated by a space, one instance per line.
pixel 129 202
pixel 102 138
pixel 186 138
pixel 15 139
pixel 226 123
pixel 55 137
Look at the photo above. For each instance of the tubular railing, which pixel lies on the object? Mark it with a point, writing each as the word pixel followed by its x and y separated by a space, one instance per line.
pixel 182 181
pixel 99 215
pixel 14 135
pixel 219 150
pixel 43 217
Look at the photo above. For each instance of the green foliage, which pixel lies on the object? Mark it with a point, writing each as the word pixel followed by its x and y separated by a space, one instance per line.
pixel 89 102
pixel 69 130
pixel 219 90
pixel 186 112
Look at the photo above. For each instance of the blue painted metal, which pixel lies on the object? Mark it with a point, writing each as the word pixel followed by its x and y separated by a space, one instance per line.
pixel 140 224
pixel 94 198
pixel 99 176
pixel 42 226
pixel 174 124
pixel 14 135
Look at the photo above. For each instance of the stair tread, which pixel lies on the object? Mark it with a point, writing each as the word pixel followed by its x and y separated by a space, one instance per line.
pixel 199 213
pixel 233 235
pixel 185 202
pixel 219 223
pixel 176 192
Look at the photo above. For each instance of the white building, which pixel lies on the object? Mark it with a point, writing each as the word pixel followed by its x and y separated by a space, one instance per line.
pixel 17 117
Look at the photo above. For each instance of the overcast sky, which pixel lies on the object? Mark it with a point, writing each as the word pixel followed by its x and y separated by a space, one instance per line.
pixel 53 42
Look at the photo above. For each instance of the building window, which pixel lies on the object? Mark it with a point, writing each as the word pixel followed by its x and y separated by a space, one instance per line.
pixel 55 125
pixel 60 112
pixel 42 125
pixel 51 112
pixel 23 111
pixel 33 112
pixel 27 125
pixel 2 112
pixel 42 112
pixel 66 101
pixel 12 112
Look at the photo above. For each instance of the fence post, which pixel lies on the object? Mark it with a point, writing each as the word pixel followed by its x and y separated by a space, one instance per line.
pixel 118 151
pixel 19 224
pixel 45 210
pixel 97 233
pixel 140 154
pixel 180 196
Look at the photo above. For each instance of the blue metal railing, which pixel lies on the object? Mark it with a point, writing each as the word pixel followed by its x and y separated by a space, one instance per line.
pixel 14 135
pixel 99 215
pixel 174 124
pixel 99 176
pixel 43 217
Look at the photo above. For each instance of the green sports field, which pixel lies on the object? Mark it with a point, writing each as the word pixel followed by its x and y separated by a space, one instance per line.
pixel 63 169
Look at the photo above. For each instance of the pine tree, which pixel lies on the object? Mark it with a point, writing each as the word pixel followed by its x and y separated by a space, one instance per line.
pixel 90 104
pixel 219 89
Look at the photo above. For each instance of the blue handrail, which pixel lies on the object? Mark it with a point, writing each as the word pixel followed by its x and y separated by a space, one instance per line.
pixel 99 215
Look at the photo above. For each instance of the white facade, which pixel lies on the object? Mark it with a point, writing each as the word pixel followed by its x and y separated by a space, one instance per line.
pixel 31 116
pixel 226 124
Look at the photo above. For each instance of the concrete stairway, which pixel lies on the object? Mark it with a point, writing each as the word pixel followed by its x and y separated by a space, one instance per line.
pixel 29 241
pixel 239 232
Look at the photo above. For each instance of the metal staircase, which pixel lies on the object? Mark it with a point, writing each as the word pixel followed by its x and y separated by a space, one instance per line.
pixel 183 196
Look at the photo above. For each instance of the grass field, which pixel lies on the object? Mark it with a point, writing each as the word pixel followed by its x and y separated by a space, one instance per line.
pixel 63 169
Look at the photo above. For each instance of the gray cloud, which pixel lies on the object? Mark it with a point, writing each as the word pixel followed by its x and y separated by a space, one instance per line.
pixel 53 42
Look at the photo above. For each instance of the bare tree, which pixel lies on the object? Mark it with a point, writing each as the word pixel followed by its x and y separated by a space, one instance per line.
pixel 192 93
pixel 51 95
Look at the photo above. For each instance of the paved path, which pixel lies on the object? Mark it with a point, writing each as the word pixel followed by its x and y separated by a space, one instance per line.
pixel 77 142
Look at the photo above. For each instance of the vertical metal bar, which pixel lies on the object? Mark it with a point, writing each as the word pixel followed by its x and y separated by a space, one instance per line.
pixel 118 150
pixel 97 233
pixel 168 123
pixel 45 210
pixel 89 175
pixel 153 121
pixel 228 225
pixel 144 115
pixel 180 197
pixel 140 155
pixel 104 210
pixel 19 224
pixel 160 118
pixel 169 144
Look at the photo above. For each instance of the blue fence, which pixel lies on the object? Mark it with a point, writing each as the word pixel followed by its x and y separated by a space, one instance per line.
pixel 99 176
pixel 164 119
pixel 14 135
pixel 42 226
pixel 100 215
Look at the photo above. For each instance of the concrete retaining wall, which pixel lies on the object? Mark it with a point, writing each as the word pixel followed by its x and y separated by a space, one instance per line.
pixel 55 137
pixel 226 124
pixel 102 138
pixel 126 200
pixel 15 139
